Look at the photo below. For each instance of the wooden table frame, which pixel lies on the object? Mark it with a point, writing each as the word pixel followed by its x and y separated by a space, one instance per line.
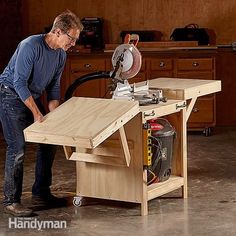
pixel 110 159
pixel 129 183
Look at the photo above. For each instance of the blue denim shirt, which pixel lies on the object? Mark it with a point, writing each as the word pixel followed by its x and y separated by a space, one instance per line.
pixel 34 68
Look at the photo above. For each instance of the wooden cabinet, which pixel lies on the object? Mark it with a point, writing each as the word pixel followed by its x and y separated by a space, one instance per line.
pixel 80 66
pixel 195 64
pixel 161 67
pixel 203 114
pixel 192 64
pixel 196 68
pixel 189 66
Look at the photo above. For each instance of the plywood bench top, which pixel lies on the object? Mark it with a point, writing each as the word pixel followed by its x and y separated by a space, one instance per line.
pixel 183 89
pixel 87 122
pixel 82 121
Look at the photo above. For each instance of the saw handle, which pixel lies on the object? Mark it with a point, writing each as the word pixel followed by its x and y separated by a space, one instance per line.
pixel 131 38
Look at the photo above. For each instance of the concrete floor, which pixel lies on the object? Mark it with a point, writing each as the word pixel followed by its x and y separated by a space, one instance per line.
pixel 210 209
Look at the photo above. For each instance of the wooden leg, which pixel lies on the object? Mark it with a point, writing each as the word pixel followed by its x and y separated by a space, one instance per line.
pixel 185 191
pixel 184 152
pixel 144 203
pixel 179 162
pixel 144 208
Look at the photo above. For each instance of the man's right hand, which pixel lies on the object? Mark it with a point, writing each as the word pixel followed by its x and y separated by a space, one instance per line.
pixel 38 117
pixel 30 103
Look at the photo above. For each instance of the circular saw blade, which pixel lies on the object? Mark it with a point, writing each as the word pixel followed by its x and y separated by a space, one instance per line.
pixel 130 60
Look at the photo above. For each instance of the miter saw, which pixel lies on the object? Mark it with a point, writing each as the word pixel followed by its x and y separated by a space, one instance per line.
pixel 126 61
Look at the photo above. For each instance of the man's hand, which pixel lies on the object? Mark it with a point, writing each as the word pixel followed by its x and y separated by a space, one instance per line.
pixel 53 104
pixel 30 103
pixel 38 117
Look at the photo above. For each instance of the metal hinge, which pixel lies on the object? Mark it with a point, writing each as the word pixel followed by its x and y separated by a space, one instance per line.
pixel 181 106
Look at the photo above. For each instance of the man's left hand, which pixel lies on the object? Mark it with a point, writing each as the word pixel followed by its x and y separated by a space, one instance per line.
pixel 53 104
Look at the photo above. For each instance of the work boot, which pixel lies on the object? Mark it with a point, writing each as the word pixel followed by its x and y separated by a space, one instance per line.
pixel 48 201
pixel 17 209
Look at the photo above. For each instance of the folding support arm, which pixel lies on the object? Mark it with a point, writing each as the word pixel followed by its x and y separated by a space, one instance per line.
pixel 108 154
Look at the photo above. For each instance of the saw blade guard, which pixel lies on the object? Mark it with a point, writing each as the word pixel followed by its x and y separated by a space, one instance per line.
pixel 130 61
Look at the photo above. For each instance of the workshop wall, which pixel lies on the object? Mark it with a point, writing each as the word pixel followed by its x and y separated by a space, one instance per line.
pixel 10 25
pixel 162 15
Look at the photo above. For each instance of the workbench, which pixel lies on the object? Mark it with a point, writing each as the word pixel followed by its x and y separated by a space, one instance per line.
pixel 105 139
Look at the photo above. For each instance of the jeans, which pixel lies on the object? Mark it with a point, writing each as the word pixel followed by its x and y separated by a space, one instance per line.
pixel 15 117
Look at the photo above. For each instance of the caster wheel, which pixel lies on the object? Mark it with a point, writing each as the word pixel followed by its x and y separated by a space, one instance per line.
pixel 207 131
pixel 77 201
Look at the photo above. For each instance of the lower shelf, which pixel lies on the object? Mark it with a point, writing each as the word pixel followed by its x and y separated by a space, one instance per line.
pixel 158 189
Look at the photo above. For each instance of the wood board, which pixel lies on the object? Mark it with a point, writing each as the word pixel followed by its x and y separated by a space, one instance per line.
pixel 84 122
pixel 184 89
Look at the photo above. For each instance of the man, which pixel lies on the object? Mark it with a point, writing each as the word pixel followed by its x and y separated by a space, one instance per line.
pixel 35 67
